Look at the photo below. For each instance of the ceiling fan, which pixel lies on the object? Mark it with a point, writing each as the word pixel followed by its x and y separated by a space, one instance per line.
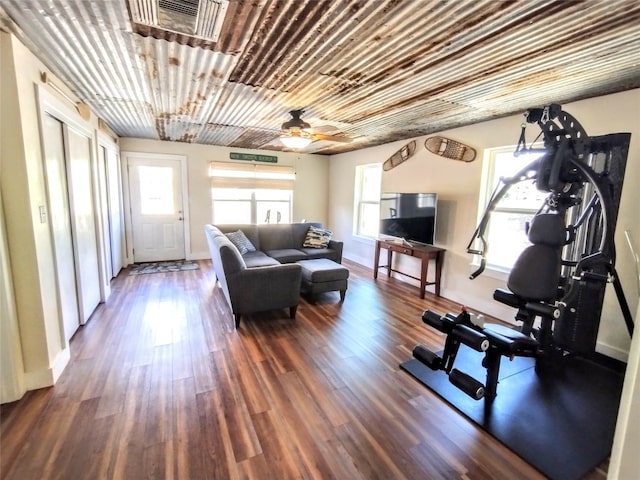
pixel 297 134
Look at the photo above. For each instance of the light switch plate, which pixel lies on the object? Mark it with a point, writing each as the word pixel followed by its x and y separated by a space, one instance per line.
pixel 43 213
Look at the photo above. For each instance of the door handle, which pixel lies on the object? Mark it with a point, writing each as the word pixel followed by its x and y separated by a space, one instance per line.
pixel 180 218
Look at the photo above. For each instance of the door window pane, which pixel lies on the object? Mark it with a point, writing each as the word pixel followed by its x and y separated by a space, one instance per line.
pixel 156 192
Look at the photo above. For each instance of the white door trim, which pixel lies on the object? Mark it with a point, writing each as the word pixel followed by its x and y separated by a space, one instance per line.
pixel 182 159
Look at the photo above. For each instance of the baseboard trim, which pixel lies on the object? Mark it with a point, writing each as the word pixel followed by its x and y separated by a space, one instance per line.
pixel 49 376
pixel 198 256
pixel 612 352
pixel 359 259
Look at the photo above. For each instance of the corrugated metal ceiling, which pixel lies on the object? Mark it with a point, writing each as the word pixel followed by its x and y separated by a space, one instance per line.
pixel 376 71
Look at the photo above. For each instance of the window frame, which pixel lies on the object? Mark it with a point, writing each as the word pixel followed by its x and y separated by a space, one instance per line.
pixel 489 180
pixel 360 203
pixel 252 178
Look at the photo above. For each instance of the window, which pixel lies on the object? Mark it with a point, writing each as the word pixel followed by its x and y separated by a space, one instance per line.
pixel 232 205
pixel 251 193
pixel 505 235
pixel 367 200
pixel 156 192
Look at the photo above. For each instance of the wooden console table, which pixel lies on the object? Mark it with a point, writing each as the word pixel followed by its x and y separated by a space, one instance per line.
pixel 423 252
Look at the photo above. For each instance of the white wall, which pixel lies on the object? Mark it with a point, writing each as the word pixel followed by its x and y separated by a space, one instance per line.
pixel 29 241
pixel 310 193
pixel 12 385
pixel 458 187
pixel 23 191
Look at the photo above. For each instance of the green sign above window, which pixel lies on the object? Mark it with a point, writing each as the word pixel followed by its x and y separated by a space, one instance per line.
pixel 252 157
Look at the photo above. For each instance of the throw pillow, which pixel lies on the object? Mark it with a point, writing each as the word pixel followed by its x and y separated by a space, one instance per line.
pixel 317 238
pixel 240 240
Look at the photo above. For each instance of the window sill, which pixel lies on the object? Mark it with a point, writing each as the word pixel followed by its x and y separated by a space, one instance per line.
pixel 363 239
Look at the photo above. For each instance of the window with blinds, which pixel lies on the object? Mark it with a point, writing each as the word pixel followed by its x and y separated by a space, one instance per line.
pixel 251 193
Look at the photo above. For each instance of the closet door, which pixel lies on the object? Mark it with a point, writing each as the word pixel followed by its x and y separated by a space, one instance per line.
pixel 60 218
pixel 111 206
pixel 83 221
pixel 104 207
pixel 116 219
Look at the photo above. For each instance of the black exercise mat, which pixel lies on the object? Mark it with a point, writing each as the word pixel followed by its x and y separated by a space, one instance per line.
pixel 561 423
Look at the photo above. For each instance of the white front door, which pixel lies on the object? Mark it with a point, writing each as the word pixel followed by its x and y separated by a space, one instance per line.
pixel 157 213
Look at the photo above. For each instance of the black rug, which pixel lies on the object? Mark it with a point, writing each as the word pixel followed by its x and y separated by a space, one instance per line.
pixel 162 267
pixel 561 423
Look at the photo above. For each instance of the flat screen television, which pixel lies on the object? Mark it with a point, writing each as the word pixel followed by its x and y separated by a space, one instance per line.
pixel 410 216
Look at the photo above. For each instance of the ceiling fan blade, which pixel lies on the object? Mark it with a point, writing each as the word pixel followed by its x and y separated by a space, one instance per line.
pixel 274 142
pixel 332 138
pixel 324 129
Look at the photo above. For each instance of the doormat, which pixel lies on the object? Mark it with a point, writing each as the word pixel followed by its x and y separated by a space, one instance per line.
pixel 561 422
pixel 162 267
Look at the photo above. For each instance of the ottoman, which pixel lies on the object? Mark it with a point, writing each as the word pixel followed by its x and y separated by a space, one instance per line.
pixel 323 275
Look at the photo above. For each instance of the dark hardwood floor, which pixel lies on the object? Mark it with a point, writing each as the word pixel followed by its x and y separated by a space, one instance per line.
pixel 161 385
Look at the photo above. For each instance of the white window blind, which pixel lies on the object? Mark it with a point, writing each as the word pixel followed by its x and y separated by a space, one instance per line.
pixel 251 176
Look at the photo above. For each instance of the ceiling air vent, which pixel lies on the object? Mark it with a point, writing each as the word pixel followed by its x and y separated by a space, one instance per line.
pixel 194 18
pixel 184 7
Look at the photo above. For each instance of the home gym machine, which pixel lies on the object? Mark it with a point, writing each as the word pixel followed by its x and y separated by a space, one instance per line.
pixel 557 284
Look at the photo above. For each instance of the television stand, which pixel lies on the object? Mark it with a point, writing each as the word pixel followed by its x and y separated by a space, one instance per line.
pixel 423 252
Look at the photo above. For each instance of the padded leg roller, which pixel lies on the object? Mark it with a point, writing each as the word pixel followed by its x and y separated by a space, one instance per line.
pixel 427 357
pixel 434 320
pixel 467 384
pixel 470 337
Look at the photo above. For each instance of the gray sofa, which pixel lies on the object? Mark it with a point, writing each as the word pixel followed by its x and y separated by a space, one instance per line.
pixel 268 278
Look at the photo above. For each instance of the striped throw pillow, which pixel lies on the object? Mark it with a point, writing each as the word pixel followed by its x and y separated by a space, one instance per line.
pixel 240 240
pixel 317 238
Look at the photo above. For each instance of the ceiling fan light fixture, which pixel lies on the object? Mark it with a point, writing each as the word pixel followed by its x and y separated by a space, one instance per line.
pixel 295 139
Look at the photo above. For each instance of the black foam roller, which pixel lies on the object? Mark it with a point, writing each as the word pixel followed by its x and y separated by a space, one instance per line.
pixel 474 339
pixel 427 357
pixel 433 319
pixel 467 384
